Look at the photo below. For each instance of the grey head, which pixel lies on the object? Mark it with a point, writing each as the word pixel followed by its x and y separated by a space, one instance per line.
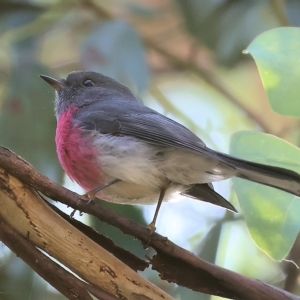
pixel 81 88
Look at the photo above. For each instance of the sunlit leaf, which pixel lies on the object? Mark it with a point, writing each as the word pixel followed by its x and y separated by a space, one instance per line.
pixel 276 53
pixel 271 215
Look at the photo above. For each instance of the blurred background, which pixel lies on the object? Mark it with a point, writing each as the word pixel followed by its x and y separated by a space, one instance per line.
pixel 181 57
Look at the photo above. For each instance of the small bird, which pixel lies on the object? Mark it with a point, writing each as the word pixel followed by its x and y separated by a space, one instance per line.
pixel 121 151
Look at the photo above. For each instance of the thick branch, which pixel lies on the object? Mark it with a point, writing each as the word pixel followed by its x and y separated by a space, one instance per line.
pixel 27 213
pixel 66 283
pixel 125 256
pixel 63 281
pixel 203 276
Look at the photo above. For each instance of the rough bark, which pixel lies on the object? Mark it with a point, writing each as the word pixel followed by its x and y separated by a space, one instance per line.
pixel 27 212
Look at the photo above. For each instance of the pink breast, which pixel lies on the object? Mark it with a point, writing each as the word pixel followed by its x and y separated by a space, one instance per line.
pixel 76 153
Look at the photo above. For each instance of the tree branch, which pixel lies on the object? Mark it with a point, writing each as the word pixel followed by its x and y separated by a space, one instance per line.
pixel 27 213
pixel 125 256
pixel 66 283
pixel 175 264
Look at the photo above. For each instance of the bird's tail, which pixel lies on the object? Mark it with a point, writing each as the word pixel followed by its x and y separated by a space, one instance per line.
pixel 205 192
pixel 276 177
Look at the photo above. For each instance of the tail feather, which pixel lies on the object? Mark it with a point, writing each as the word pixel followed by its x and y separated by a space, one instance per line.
pixel 205 192
pixel 280 178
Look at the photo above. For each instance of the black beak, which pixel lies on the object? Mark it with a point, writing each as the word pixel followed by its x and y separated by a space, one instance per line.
pixel 56 84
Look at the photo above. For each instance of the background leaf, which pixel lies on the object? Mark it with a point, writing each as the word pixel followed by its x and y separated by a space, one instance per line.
pixel 272 216
pixel 17 13
pixel 27 114
pixel 227 27
pixel 115 49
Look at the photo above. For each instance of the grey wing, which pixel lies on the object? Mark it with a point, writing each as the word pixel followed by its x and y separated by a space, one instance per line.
pixel 131 118
pixel 141 122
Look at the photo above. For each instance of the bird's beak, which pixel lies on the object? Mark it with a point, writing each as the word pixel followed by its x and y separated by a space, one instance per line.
pixel 56 84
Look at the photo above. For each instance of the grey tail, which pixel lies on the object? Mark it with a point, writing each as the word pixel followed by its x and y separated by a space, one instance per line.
pixel 279 178
pixel 205 192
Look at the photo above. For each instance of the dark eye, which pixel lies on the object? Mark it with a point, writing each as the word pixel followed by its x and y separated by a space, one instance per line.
pixel 88 82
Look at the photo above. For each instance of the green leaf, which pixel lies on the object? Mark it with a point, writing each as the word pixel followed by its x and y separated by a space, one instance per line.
pixel 271 215
pixel 114 48
pixel 276 53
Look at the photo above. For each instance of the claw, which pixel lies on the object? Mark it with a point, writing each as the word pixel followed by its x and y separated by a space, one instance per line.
pixel 91 195
pixel 73 213
pixel 91 200
pixel 151 227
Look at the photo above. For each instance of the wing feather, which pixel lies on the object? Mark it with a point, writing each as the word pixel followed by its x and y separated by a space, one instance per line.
pixel 136 120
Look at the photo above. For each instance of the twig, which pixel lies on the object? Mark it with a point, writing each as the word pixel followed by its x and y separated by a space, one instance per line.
pixel 288 128
pixel 278 7
pixel 210 78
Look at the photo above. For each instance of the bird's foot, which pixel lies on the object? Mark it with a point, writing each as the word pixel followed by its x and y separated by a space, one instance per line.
pixel 151 227
pixel 89 196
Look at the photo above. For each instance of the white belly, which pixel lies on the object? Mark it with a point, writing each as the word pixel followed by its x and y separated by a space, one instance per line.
pixel 145 168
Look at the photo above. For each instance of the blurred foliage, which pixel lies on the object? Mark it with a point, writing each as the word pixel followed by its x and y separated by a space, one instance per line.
pixel 182 45
pixel 124 241
pixel 27 112
pixel 227 27
pixel 101 53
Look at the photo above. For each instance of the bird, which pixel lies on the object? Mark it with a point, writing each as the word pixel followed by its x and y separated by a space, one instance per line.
pixel 119 150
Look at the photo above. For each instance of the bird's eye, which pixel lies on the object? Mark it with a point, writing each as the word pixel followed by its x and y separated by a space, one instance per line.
pixel 88 82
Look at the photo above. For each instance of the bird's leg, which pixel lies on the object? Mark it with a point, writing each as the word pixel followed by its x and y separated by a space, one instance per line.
pixel 151 226
pixel 91 194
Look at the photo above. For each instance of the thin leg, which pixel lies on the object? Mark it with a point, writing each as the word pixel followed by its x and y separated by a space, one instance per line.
pixel 91 194
pixel 151 226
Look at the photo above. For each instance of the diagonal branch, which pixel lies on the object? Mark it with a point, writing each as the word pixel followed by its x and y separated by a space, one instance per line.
pixel 66 283
pixel 125 256
pixel 174 263
pixel 28 214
